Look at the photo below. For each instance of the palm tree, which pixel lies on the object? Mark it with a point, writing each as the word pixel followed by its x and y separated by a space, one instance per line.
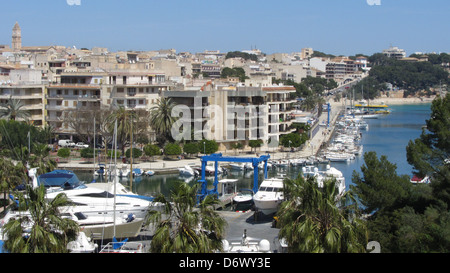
pixel 43 230
pixel 187 228
pixel 13 109
pixel 309 103
pixel 11 175
pixel 161 119
pixel 318 220
pixel 40 159
pixel 124 118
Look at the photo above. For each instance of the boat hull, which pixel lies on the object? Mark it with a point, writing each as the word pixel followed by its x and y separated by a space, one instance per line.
pixel 122 230
pixel 267 206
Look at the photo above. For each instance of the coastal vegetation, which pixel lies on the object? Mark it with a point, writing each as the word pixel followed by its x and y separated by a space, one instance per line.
pixel 47 230
pixel 403 217
pixel 316 219
pixel 186 227
pixel 411 76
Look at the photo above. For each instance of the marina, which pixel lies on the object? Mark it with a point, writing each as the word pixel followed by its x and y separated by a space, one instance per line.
pixel 387 136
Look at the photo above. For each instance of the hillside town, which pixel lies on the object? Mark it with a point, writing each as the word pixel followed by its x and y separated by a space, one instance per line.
pixel 53 82
pixel 235 151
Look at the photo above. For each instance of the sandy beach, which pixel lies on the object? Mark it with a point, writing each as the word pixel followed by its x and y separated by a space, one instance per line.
pixel 397 101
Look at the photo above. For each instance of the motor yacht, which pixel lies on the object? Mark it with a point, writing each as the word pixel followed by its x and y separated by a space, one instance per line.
pixel 269 195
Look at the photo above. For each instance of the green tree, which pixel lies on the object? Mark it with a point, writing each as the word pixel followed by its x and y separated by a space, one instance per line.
pixel 234 72
pixel 240 54
pixel 319 220
pixel 161 119
pixel 64 152
pixel 40 159
pixel 292 140
pixel 11 175
pixel 191 148
pixel 172 149
pixel 402 217
pixel 14 109
pixel 236 146
pixel 380 187
pixel 136 153
pixel 206 146
pixel 50 232
pixel 186 227
pixel 87 153
pixel 152 150
pixel 14 136
pixel 124 119
pixel 255 143
pixel 430 153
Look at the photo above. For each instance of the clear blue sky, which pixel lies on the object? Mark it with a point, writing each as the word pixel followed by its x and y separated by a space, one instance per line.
pixel 344 27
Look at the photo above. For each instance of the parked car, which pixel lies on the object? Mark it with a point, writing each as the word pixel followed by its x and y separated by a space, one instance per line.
pixel 66 143
pixel 81 145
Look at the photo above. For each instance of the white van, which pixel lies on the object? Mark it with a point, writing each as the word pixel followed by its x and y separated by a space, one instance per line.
pixel 66 143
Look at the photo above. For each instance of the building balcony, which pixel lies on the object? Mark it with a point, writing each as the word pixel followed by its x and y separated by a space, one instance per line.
pixel 73 86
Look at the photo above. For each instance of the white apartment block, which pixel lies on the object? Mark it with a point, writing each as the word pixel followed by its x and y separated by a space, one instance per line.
pixel 394 52
pixel 233 114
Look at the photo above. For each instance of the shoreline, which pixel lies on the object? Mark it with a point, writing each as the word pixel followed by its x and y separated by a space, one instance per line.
pixel 398 101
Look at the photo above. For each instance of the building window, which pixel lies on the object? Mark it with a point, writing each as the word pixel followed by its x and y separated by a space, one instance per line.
pixel 131 91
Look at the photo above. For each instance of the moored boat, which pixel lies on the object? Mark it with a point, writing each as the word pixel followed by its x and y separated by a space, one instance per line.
pixel 269 196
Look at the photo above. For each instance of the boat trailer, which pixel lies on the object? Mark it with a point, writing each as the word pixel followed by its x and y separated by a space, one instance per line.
pixel 219 158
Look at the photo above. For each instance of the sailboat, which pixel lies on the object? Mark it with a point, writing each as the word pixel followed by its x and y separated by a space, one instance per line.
pixel 121 247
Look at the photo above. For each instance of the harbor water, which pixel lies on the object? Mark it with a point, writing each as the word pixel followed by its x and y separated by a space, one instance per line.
pixel 388 135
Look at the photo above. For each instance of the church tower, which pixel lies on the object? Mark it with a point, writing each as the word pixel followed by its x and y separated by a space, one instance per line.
pixel 16 37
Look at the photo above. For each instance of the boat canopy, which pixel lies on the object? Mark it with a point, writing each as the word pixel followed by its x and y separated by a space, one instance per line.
pixel 59 178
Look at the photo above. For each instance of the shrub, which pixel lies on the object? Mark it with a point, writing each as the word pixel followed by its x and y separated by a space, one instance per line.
pixel 152 150
pixel 172 149
pixel 209 147
pixel 191 148
pixel 64 152
pixel 136 153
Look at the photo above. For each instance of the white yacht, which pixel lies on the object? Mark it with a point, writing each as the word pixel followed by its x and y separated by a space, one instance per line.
pixel 329 173
pixel 187 171
pixel 106 226
pixel 237 166
pixel 97 226
pixel 269 196
pixel 92 199
pixel 332 172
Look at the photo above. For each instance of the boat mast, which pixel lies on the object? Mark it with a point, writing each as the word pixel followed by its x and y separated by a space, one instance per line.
pixel 94 144
pixel 115 176
pixel 131 154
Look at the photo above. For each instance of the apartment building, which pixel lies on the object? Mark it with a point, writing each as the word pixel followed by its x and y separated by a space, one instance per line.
pixel 32 98
pixel 230 114
pixel 340 68
pixel 92 91
pixel 394 52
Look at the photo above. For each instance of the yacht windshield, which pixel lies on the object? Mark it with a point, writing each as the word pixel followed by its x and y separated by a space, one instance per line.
pixel 104 194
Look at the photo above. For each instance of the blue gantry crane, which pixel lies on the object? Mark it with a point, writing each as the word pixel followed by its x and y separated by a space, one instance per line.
pixel 216 158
